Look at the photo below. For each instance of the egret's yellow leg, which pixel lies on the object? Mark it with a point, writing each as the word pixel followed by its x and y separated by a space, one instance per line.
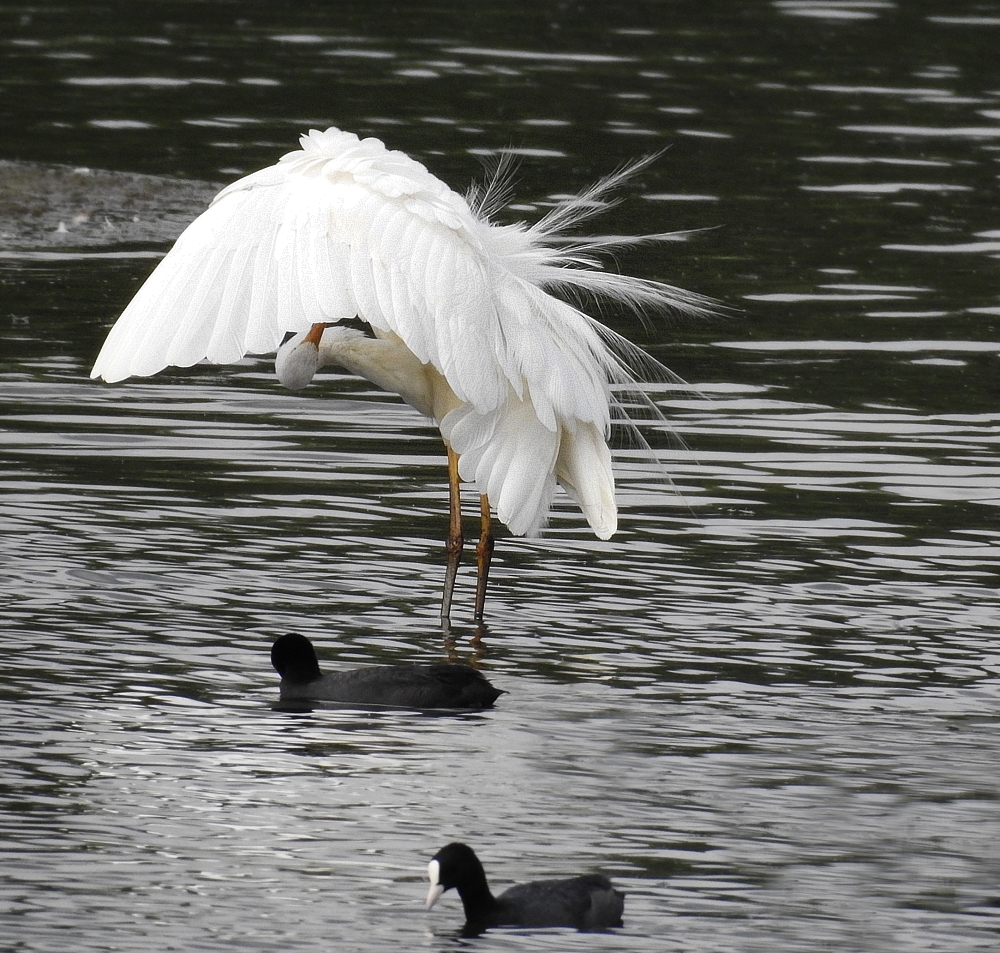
pixel 453 547
pixel 484 555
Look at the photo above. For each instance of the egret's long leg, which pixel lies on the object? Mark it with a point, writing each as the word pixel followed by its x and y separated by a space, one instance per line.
pixel 453 547
pixel 484 555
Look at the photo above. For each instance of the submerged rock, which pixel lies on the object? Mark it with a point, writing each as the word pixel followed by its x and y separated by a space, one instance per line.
pixel 46 207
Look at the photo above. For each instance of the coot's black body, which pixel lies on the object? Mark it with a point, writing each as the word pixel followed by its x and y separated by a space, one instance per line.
pixel 589 902
pixel 441 685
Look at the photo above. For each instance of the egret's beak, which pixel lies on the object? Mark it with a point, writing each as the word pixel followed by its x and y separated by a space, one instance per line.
pixel 315 333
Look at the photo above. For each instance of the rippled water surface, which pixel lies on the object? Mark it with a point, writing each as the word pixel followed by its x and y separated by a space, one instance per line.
pixel 768 707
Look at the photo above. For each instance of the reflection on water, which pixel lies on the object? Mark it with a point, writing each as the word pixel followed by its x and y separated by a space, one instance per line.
pixel 767 707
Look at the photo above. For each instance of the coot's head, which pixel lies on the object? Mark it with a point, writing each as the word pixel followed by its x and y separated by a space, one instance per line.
pixel 453 866
pixel 294 658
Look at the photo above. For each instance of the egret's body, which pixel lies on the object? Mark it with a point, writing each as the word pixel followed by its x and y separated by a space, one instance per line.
pixel 465 327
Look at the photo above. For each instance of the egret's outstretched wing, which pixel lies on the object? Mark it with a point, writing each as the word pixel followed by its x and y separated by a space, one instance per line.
pixel 313 238
pixel 345 227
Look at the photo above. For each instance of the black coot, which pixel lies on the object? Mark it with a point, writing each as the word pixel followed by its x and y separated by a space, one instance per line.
pixel 587 903
pixel 441 685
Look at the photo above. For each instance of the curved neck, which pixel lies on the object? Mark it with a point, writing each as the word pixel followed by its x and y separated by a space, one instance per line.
pixel 389 364
pixel 477 900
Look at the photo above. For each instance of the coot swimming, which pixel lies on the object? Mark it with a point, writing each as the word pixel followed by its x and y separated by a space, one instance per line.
pixel 442 685
pixel 587 903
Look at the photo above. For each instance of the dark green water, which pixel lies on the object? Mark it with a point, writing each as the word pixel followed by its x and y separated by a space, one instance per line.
pixel 768 707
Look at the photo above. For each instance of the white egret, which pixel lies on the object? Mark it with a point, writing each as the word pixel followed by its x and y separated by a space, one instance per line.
pixel 465 324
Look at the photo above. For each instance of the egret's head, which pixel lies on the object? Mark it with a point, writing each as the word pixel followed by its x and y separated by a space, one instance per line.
pixel 297 359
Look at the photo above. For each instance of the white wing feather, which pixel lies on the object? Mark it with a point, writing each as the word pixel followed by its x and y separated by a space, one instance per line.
pixel 511 456
pixel 345 227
